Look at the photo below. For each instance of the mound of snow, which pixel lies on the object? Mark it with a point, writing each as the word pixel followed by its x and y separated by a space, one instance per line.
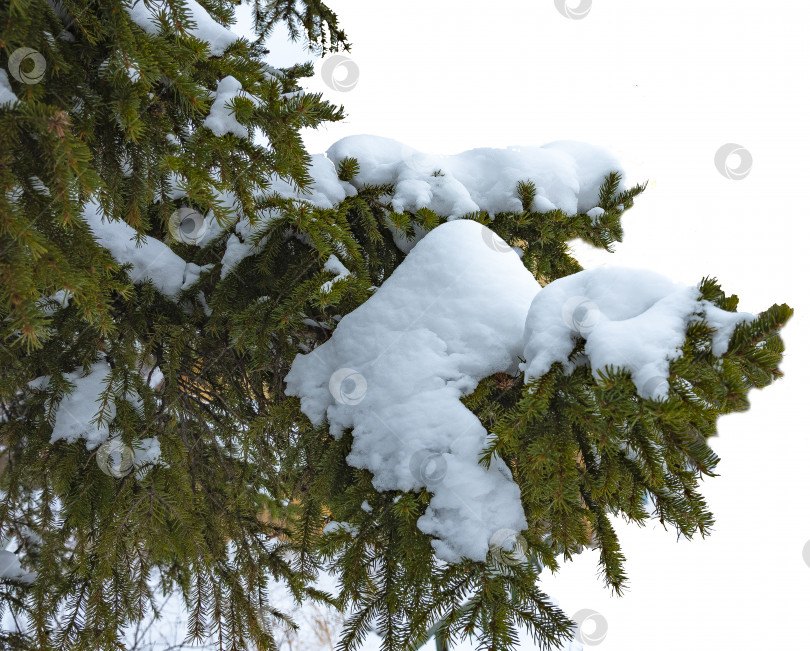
pixel 628 317
pixel 395 369
pixel 567 175
pixel 459 308
pixel 151 259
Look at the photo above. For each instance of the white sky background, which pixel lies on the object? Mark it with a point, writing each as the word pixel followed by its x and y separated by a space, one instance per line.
pixel 663 85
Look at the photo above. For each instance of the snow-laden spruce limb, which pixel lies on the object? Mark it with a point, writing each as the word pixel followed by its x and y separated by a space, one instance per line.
pixel 227 362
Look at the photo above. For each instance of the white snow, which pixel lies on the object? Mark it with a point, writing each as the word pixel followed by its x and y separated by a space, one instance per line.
pixel 176 189
pixel 327 189
pixel 394 370
pixel 723 323
pixel 332 527
pixel 60 298
pixel 7 95
pixel 153 259
pixel 567 174
pixel 239 245
pixel 455 311
pixel 147 451
pixel 336 267
pixel 319 628
pixel 11 570
pixel 221 118
pixel 218 36
pixel 458 309
pixel 156 377
pixel 235 251
pixel 595 214
pixel 76 415
pixel 40 383
pixel 628 317
pixel 133 72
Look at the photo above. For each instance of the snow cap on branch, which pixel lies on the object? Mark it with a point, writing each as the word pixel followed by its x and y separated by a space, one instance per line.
pixel 205 27
pixel 77 414
pixel 221 118
pixel 395 369
pixel 459 308
pixel 567 175
pixel 631 318
pixel 152 259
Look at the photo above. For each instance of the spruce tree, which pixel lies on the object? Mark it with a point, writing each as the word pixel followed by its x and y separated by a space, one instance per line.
pixel 103 112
